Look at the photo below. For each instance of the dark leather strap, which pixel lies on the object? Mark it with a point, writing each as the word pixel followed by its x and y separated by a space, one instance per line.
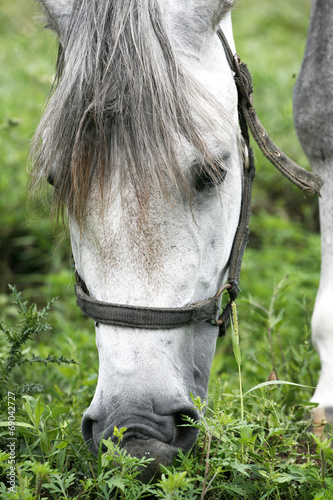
pixel 146 317
pixel 305 180
pixel 239 243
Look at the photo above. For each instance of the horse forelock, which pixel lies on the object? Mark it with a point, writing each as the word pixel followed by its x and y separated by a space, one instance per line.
pixel 122 101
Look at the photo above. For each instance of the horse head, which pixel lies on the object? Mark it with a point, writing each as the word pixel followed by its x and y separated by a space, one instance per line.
pixel 142 142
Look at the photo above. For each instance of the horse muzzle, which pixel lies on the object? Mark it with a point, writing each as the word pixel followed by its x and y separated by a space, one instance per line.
pixel 147 435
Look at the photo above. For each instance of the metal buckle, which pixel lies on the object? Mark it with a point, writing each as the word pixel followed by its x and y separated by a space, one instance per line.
pixel 216 321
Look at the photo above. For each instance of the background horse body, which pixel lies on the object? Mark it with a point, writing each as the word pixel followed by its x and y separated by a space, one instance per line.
pixel 313 110
pixel 143 125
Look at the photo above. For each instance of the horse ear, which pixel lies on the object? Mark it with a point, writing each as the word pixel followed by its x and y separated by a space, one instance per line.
pixel 58 13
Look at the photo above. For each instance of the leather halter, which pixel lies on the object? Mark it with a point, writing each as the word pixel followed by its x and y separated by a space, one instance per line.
pixel 209 310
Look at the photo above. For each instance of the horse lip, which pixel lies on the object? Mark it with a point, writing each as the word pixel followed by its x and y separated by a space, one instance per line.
pixel 141 431
pixel 162 429
pixel 145 432
pixel 159 428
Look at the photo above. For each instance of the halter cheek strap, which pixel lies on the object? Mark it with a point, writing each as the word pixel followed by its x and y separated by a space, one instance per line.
pixel 209 310
pixel 305 180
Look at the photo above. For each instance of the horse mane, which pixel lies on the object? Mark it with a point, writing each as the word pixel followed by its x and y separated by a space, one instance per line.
pixel 121 101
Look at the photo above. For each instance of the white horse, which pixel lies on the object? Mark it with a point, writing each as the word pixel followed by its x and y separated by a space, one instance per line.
pixel 313 111
pixel 142 143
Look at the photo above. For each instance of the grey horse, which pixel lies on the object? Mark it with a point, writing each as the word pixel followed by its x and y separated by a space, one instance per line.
pixel 141 141
pixel 313 117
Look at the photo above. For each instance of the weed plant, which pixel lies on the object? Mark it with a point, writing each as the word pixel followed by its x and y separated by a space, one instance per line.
pixel 31 323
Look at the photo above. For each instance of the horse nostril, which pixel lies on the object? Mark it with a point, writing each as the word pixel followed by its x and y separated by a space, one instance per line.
pixel 94 432
pixel 185 433
pixel 86 427
pixel 87 433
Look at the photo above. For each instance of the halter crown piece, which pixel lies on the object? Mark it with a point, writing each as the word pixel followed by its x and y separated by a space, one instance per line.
pixel 209 310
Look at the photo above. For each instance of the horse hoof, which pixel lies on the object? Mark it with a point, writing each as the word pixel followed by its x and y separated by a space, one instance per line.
pixel 321 416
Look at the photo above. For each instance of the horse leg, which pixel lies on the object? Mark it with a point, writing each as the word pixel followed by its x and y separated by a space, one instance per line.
pixel 313 108
pixel 322 318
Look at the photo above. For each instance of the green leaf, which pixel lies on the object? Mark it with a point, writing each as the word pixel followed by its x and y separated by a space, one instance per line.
pixel 39 410
pixel 17 424
pixel 284 478
pixel 237 353
pixel 242 468
pixel 277 382
pixel 59 410
pixel 62 445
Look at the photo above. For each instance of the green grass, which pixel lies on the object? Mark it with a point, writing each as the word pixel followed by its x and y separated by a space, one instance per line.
pixel 26 60
pixel 252 446
pixel 270 38
pixel 270 453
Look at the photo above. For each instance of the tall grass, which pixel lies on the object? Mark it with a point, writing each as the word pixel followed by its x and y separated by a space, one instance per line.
pixel 252 445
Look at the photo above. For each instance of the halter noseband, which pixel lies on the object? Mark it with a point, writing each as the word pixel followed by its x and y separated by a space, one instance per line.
pixel 209 310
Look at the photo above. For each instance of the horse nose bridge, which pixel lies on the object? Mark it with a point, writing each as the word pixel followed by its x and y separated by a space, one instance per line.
pixel 139 364
pixel 154 370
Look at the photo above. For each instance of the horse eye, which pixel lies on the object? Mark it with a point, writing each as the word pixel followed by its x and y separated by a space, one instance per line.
pixel 50 180
pixel 204 179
